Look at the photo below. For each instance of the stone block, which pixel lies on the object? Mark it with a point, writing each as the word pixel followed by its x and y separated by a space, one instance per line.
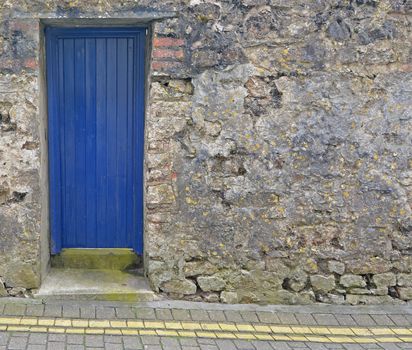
pixel 278 266
pixel 336 267
pixel 199 267
pixel 3 290
pixel 185 287
pixel 371 265
pixel 211 283
pixel 383 280
pixel 364 291
pixel 297 280
pixel 322 284
pixel 369 299
pixel 310 265
pixel 404 280
pixel 331 298
pixel 22 275
pixel 352 281
pixel 405 293
pixel 229 297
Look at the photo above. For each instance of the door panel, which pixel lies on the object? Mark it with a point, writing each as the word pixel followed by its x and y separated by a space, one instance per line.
pixel 96 119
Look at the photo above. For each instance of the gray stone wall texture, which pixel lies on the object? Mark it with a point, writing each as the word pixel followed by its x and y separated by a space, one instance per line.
pixel 278 147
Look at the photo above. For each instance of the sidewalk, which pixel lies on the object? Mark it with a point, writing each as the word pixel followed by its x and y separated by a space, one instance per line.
pixel 171 325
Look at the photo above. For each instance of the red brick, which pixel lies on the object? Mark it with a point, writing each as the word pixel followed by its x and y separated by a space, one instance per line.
pixel 406 68
pixel 163 65
pixel 167 42
pixel 30 63
pixel 166 53
pixel 25 25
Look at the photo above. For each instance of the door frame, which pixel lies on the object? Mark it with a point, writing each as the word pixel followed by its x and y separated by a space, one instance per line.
pixel 54 172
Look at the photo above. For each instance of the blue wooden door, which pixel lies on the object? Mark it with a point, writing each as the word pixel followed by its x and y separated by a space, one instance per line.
pixel 95 82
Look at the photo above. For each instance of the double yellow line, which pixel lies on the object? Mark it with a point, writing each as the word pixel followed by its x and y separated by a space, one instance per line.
pixel 215 330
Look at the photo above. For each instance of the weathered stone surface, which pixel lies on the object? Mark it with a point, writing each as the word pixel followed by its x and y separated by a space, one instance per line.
pixel 336 267
pixel 404 264
pixel 229 297
pixel 3 291
pixel 211 283
pixel 297 280
pixel 184 287
pixel 160 194
pixel 372 265
pixel 322 284
pixel 364 291
pixel 384 280
pixel 331 298
pixel 405 293
pixel 195 268
pixel 211 297
pixel 369 299
pixel 352 281
pixel 404 279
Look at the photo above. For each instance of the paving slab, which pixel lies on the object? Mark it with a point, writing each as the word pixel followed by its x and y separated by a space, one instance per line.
pixel 66 324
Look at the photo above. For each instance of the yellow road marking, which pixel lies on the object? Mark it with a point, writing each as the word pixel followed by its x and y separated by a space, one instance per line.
pixel 18 328
pixel 118 324
pixel 361 331
pixel 9 320
pixel 263 336
pixel 340 331
pixel 29 321
pixel 46 322
pixel 211 326
pixel 187 334
pixel 99 324
pixel 221 330
pixel 245 336
pixel 60 322
pixel 166 333
pixel 228 327
pixel 191 326
pixel 135 324
pixel 72 330
pixel 153 324
pixel 264 329
pixel 173 325
pixel 245 327
pixel 281 329
pixel 58 330
pixel 80 323
pixel 401 331
pixel 94 331
pixel 206 334
pixel 320 330
pixel 381 331
pixel 317 339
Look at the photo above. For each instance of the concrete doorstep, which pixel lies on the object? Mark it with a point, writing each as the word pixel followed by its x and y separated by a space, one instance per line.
pixel 94 284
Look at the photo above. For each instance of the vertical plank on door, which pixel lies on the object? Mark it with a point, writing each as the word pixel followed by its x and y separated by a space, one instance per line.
pixel 90 120
pixel 101 136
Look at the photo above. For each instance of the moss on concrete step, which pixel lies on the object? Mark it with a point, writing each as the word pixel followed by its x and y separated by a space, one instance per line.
pixel 105 259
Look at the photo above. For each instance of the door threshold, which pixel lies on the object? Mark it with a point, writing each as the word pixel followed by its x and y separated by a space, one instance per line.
pixel 97 258
pixel 95 284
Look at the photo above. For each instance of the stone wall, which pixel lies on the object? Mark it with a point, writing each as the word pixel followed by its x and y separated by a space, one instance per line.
pixel 278 147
